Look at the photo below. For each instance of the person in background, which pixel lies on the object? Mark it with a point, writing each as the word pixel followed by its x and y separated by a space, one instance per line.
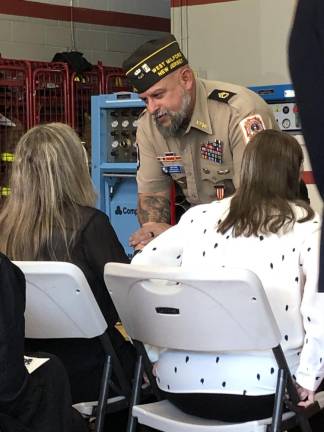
pixel 50 215
pixel 193 131
pixel 281 233
pixel 306 62
pixel 39 401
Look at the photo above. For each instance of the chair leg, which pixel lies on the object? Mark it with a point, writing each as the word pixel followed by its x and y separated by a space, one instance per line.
pixel 135 397
pixel 278 403
pixel 103 396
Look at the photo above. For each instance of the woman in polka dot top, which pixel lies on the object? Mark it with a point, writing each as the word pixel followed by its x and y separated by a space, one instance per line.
pixel 264 227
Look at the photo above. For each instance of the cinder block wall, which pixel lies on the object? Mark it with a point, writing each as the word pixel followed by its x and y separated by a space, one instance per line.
pixel 106 30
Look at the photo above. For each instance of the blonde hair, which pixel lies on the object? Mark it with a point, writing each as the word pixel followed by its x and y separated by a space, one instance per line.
pixel 49 181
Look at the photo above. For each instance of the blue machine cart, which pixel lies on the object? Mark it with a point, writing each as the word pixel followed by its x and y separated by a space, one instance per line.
pixel 113 125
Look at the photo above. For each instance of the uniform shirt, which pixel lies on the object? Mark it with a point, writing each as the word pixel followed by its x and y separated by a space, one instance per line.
pixel 287 265
pixel 224 117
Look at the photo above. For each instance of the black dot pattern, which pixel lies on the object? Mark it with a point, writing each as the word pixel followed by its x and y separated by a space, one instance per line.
pixel 280 261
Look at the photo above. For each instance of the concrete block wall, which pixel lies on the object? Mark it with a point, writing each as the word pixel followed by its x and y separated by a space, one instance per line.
pixel 106 30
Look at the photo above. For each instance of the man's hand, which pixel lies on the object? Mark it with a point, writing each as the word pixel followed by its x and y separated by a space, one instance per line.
pixel 307 397
pixel 147 233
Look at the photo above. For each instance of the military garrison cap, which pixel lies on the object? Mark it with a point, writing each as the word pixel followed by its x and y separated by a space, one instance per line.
pixel 153 61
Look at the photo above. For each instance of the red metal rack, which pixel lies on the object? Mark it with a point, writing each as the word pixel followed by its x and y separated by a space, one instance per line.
pixel 15 116
pixel 50 92
pixel 115 80
pixel 83 86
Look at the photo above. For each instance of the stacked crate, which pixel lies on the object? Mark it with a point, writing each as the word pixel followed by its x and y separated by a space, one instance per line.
pixel 35 92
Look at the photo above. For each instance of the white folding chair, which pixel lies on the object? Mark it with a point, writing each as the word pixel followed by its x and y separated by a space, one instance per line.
pixel 204 311
pixel 60 304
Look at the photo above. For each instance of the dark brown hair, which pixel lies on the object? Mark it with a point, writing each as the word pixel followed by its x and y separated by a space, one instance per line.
pixel 269 184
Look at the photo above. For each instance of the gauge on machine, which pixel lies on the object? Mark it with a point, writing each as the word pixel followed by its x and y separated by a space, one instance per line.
pixel 285 123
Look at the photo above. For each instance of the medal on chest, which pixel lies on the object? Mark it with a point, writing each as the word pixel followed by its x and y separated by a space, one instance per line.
pixel 212 151
pixel 171 163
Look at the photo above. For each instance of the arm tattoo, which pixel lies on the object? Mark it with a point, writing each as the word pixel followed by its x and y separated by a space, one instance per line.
pixel 152 208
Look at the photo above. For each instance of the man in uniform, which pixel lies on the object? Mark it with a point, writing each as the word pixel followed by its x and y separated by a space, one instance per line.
pixel 193 131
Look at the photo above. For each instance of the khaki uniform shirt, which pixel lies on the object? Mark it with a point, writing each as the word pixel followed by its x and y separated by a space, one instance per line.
pixel 225 116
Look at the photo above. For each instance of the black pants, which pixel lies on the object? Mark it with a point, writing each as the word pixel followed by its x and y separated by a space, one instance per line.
pixel 223 407
pixel 232 408
pixel 84 359
pixel 44 403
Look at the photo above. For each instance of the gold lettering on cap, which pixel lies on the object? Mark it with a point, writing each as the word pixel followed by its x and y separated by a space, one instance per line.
pixel 163 71
pixel 158 67
pixel 176 63
pixel 174 57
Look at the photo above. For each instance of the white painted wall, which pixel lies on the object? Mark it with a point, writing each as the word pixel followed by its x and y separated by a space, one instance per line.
pixel 242 41
pixel 39 39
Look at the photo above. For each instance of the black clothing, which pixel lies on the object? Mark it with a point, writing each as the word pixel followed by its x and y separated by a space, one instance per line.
pixel 13 374
pixel 306 62
pixel 224 407
pixel 40 402
pixel 95 244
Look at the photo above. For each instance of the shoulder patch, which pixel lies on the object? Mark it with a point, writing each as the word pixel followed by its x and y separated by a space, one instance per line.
pixel 251 126
pixel 221 95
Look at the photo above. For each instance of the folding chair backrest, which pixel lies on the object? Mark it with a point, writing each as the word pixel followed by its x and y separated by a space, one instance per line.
pixel 59 302
pixel 197 310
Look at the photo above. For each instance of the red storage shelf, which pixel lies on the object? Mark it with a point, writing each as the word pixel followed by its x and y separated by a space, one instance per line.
pixel 15 115
pixel 50 92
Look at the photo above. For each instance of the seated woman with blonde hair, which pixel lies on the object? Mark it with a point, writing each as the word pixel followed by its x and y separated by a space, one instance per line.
pixel 50 215
pixel 266 228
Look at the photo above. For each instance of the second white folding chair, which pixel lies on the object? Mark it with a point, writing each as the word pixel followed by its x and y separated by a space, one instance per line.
pixel 203 311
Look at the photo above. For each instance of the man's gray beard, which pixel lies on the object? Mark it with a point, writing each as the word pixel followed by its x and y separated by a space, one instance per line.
pixel 178 119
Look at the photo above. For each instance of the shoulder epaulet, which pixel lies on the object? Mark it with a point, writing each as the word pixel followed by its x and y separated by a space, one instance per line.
pixel 142 113
pixel 221 95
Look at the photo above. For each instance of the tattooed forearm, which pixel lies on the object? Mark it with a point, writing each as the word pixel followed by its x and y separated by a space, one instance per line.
pixel 154 207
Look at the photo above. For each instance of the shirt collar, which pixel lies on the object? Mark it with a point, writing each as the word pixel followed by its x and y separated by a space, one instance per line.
pixel 200 117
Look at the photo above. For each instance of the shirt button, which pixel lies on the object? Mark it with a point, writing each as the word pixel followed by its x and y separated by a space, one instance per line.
pixel 206 171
